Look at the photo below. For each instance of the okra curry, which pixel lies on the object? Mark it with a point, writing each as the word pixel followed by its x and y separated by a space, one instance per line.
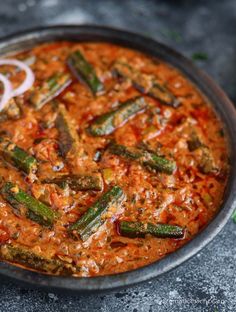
pixel 109 159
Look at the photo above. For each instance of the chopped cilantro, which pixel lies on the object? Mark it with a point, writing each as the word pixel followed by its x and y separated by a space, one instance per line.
pixel 234 216
pixel 172 34
pixel 199 56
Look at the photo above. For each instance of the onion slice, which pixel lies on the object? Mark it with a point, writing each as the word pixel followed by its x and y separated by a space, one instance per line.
pixel 29 80
pixel 7 92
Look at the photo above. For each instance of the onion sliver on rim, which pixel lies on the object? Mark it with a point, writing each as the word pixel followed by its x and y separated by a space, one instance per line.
pixel 26 84
pixel 7 93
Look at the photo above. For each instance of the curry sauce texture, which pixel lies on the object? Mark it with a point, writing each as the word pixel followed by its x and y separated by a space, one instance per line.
pixel 111 161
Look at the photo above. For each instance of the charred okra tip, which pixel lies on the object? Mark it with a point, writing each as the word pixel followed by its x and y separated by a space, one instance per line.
pixel 194 142
pixel 69 140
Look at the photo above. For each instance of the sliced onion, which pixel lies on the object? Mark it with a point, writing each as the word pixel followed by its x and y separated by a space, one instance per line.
pixel 7 92
pixel 29 79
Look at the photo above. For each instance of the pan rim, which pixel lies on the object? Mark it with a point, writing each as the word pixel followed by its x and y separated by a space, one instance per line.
pixel 224 109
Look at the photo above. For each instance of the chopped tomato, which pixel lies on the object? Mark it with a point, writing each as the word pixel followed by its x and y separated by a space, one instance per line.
pixel 4 234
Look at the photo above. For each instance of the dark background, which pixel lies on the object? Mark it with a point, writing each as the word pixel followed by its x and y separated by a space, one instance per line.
pixel 207 282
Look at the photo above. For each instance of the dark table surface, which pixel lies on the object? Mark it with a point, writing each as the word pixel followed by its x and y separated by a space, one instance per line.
pixel 206 282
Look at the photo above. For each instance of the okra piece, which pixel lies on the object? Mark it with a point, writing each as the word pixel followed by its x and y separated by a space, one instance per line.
pixel 109 122
pixel 148 159
pixel 139 229
pixel 146 84
pixel 69 140
pixel 36 218
pixel 194 142
pixel 206 163
pixel 92 219
pixel 17 156
pixel 24 256
pixel 234 216
pixel 12 111
pixel 18 199
pixel 84 71
pixel 50 89
pixel 79 182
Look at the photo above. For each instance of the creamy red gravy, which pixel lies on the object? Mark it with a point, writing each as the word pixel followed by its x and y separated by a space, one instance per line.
pixel 188 198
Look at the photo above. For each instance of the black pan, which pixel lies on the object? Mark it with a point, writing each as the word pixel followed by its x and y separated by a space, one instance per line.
pixel 223 108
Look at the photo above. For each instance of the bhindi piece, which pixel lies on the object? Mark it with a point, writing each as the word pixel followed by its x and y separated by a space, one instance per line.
pixel 50 89
pixel 109 122
pixel 84 71
pixel 92 219
pixel 37 218
pixel 146 84
pixel 148 159
pixel 16 197
pixel 24 256
pixel 78 182
pixel 139 229
pixel 194 142
pixel 69 140
pixel 17 156
pixel 12 111
pixel 206 164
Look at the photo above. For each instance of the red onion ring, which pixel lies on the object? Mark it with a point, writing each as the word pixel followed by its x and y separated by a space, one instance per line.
pixel 29 80
pixel 7 93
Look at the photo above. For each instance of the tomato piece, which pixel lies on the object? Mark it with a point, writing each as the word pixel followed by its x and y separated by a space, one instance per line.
pixel 4 234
